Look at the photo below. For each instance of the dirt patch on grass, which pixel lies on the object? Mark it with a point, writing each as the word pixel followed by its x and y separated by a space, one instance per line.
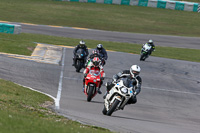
pixel 31 48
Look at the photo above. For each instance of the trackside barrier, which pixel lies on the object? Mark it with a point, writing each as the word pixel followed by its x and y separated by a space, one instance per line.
pixel 198 8
pixel 10 28
pixel 165 4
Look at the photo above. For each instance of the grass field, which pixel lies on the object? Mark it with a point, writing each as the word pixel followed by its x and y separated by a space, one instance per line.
pixel 24 44
pixel 100 16
pixel 24 111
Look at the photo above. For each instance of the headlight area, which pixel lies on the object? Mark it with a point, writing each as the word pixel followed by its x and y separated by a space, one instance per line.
pixel 124 90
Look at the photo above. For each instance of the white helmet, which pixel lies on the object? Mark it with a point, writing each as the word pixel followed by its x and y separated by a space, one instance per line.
pixel 150 41
pixel 135 70
pixel 81 43
pixel 99 46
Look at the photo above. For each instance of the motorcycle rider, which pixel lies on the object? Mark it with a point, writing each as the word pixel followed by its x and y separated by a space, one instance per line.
pixel 150 42
pixel 95 53
pixel 133 76
pixel 95 64
pixel 102 52
pixel 81 45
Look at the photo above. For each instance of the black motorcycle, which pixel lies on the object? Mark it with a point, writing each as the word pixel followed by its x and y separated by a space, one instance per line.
pixel 103 61
pixel 145 52
pixel 80 59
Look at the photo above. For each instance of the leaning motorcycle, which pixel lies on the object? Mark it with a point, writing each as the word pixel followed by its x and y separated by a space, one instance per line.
pixel 145 52
pixel 117 97
pixel 92 83
pixel 80 60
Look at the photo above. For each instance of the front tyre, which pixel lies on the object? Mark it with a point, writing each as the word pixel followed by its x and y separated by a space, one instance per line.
pixel 142 57
pixel 78 66
pixel 113 107
pixel 90 93
pixel 104 111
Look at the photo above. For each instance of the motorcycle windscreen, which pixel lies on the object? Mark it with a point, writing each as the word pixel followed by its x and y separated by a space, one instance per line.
pixel 95 72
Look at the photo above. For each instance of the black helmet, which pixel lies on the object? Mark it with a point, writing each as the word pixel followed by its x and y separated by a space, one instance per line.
pixel 99 46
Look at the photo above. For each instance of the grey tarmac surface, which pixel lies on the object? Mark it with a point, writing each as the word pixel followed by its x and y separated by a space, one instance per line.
pixel 168 102
pixel 160 40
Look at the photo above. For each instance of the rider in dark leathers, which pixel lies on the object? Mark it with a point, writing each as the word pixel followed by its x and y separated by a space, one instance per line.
pixel 102 52
pixel 133 76
pixel 81 45
pixel 95 53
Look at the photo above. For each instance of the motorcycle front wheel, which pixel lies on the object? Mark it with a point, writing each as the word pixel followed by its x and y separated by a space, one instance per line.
pixel 78 66
pixel 90 93
pixel 104 111
pixel 142 57
pixel 113 107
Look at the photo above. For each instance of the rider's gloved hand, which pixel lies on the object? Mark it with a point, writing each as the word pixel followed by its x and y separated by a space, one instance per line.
pixel 102 78
pixel 135 93
pixel 114 80
pixel 85 75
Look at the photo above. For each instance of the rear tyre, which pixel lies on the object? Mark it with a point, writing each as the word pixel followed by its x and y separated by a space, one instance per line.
pixel 90 93
pixel 113 107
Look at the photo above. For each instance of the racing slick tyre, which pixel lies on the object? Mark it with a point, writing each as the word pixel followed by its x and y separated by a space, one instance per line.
pixel 78 66
pixel 142 57
pixel 104 111
pixel 90 93
pixel 113 107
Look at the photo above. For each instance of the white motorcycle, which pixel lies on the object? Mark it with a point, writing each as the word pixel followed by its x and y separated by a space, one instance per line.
pixel 145 52
pixel 117 98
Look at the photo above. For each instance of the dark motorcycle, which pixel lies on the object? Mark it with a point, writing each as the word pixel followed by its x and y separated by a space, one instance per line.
pixel 145 52
pixel 80 60
pixel 103 61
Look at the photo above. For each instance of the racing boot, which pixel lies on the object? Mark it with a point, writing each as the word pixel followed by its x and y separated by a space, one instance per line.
pixel 73 62
pixel 104 96
pixel 83 88
pixel 83 84
pixel 99 91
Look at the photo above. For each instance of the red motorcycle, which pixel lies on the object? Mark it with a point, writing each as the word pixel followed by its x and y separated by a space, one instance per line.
pixel 92 83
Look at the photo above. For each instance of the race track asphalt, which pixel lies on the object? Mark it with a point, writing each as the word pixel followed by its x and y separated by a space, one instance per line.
pixel 168 102
pixel 84 33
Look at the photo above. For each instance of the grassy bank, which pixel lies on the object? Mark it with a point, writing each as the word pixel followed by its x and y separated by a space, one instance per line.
pixel 23 111
pixel 23 44
pixel 102 16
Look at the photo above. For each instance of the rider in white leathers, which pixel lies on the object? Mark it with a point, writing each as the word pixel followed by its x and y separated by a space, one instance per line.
pixel 134 78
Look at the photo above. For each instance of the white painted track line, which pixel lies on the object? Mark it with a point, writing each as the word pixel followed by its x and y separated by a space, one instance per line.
pixel 57 101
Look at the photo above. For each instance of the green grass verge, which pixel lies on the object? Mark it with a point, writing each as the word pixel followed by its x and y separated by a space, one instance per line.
pixel 102 16
pixel 23 44
pixel 24 111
